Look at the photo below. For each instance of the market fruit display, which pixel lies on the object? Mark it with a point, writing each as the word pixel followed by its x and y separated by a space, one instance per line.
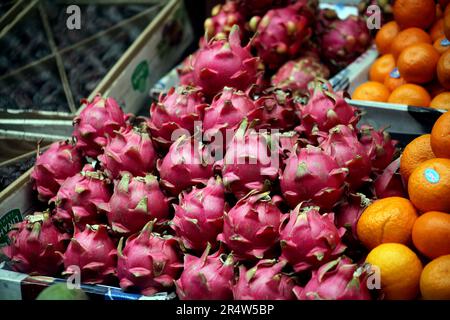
pixel 158 224
pixel 414 63
pixel 301 200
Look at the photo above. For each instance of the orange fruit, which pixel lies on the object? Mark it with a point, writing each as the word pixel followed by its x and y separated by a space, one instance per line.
pixel 437 30
pixel 408 37
pixel 417 63
pixel 431 234
pixel 371 91
pixel 410 94
pixel 393 83
pixel 438 45
pixel 440 136
pixel 386 34
pixel 429 185
pixel 386 220
pixel 416 152
pixel 414 13
pixel 400 270
pixel 435 279
pixel 443 69
pixel 381 68
pixel 441 101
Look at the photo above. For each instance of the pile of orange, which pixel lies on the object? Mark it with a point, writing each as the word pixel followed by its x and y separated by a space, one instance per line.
pixel 409 239
pixel 414 66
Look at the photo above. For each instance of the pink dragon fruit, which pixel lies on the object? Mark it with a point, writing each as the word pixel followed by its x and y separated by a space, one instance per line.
pixel 325 17
pixel 265 281
pixel 223 18
pixel 379 146
pixel 343 41
pixel 185 71
pixel 279 111
pixel 135 202
pixel 249 163
pixel 223 63
pixel 36 245
pixel 206 278
pixel 149 263
pixel 295 75
pixel 52 167
pixel 337 280
pixel 185 165
pixel 250 228
pixel 227 111
pixel 312 176
pixel 325 110
pixel 199 216
pixel 92 252
pixel 389 183
pixel 280 34
pixel 99 119
pixel 80 197
pixel 178 109
pixel 309 239
pixel 348 213
pixel 130 150
pixel 342 145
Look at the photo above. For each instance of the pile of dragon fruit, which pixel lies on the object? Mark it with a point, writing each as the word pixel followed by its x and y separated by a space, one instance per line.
pixel 294 39
pixel 146 203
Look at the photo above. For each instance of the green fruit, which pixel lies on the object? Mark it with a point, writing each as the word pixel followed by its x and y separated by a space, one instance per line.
pixel 60 291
